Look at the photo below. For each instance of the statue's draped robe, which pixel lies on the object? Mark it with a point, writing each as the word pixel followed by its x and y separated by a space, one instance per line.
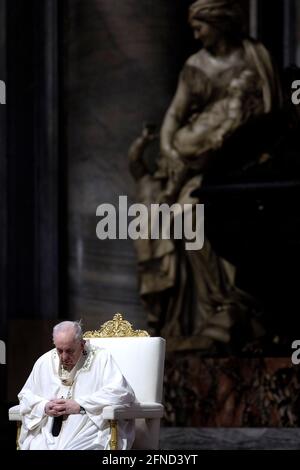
pixel 191 296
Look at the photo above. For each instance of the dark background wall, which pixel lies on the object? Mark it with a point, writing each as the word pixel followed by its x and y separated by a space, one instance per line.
pixel 3 214
pixel 121 64
pixel 82 79
pixel 30 180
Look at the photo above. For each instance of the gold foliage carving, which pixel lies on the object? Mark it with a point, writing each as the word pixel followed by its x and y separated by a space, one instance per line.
pixel 115 327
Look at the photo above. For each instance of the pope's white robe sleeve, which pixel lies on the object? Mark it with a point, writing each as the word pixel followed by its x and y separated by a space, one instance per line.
pixel 114 390
pixel 32 405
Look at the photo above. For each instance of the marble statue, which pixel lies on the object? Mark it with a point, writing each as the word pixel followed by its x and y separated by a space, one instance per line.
pixel 191 296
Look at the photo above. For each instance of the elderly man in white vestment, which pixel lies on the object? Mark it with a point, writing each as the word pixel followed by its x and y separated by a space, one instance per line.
pixel 61 403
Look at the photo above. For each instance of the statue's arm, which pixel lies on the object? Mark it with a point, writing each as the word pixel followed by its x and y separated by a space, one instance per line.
pixel 174 119
pixel 136 164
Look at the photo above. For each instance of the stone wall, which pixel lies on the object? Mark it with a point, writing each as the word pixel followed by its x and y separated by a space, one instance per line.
pixel 121 63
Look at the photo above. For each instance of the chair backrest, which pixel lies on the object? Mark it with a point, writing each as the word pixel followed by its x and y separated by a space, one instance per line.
pixel 141 361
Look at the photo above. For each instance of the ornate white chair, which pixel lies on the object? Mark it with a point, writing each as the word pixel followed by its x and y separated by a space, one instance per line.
pixel 141 360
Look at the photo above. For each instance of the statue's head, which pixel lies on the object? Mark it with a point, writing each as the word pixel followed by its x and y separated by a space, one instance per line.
pixel 224 16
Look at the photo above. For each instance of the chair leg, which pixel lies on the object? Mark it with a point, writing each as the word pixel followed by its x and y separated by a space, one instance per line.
pixel 19 424
pixel 153 428
pixel 113 443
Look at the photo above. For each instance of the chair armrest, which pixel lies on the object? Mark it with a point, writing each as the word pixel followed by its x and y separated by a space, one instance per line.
pixel 14 413
pixel 134 411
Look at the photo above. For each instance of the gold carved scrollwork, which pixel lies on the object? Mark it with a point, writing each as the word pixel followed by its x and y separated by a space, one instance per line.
pixel 115 327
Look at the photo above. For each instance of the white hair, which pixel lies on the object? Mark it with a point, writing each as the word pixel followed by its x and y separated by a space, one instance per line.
pixel 67 325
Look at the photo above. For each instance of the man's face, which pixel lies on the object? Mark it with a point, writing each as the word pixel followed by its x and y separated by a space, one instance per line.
pixel 68 348
pixel 206 33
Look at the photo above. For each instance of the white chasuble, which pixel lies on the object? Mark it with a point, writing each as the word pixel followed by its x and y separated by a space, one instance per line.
pixel 97 382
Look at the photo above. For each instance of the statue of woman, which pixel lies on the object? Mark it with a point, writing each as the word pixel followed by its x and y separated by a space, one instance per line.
pixel 191 296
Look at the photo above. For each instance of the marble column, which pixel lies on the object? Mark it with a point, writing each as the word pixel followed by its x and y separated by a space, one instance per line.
pixel 32 179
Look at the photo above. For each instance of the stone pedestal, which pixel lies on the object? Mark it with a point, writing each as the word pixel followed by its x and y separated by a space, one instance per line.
pixel 231 392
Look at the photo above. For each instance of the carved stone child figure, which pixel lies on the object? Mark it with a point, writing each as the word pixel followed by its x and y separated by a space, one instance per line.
pixel 212 127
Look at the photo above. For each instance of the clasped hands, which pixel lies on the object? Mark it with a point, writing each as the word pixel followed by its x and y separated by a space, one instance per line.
pixel 60 406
